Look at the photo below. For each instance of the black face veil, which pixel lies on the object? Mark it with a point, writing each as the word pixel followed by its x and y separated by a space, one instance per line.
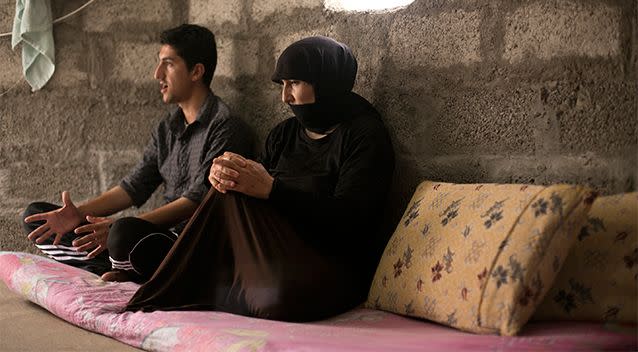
pixel 331 68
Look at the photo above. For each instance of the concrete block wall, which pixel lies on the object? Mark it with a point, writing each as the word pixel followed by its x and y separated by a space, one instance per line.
pixel 526 91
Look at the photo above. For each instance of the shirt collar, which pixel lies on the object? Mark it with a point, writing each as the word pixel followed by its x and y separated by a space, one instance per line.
pixel 203 115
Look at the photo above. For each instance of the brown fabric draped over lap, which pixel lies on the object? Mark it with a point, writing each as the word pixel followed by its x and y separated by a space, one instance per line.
pixel 239 255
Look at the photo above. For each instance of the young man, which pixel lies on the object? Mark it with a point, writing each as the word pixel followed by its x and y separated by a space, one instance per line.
pixel 178 155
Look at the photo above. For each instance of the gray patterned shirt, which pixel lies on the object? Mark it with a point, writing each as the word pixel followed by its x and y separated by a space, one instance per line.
pixel 180 155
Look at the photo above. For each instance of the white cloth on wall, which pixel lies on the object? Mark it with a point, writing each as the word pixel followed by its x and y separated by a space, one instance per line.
pixel 33 27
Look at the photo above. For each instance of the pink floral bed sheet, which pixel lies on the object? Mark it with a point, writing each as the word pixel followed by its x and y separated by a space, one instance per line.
pixel 81 298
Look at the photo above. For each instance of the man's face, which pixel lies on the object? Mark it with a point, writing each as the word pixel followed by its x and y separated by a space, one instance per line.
pixel 296 92
pixel 176 82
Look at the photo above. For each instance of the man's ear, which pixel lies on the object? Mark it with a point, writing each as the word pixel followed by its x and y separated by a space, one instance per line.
pixel 197 73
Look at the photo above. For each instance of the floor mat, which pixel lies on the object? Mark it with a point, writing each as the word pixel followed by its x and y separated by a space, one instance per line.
pixel 81 298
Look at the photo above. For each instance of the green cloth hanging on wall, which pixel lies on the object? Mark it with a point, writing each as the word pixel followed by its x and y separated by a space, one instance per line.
pixel 33 27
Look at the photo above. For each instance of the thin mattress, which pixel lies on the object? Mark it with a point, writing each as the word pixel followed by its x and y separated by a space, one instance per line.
pixel 81 298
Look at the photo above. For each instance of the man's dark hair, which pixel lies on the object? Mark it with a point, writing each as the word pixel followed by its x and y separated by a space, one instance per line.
pixel 194 44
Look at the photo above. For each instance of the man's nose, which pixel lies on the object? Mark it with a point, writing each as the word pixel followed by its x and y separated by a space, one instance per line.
pixel 157 74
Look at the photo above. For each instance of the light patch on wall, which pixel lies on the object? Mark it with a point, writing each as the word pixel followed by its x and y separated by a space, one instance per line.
pixel 369 5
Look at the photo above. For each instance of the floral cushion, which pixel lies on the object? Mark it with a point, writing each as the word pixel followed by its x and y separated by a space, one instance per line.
pixel 478 257
pixel 599 280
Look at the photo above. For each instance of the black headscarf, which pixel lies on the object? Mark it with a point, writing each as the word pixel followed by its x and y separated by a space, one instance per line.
pixel 331 68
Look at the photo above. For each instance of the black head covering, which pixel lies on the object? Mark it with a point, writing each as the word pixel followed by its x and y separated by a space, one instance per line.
pixel 321 61
pixel 331 68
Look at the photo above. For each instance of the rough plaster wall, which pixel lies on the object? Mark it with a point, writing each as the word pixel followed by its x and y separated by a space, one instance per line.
pixel 471 90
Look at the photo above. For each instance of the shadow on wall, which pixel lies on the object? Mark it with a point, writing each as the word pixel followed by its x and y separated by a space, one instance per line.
pixel 497 92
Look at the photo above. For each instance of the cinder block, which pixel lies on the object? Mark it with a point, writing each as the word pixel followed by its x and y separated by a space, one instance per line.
pixel 50 120
pixel 608 175
pixel 597 115
pixel 562 28
pixel 10 153
pixel 467 120
pixel 368 72
pixel 135 62
pixel 4 183
pixel 44 118
pixel 70 65
pixel 113 166
pixel 484 121
pixel 369 49
pixel 366 6
pixel 7 12
pixel 45 181
pixel 268 112
pixel 228 92
pixel 450 168
pixel 11 71
pixel 126 126
pixel 215 12
pixel 102 16
pixel 12 235
pixel 443 40
pixel 237 57
pixel 263 9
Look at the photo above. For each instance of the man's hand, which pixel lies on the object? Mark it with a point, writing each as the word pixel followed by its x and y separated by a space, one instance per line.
pixel 233 172
pixel 56 222
pixel 97 232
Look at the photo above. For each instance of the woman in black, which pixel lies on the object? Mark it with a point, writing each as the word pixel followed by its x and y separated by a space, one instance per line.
pixel 293 237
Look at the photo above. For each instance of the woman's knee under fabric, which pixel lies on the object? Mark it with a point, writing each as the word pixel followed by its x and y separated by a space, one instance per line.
pixel 301 299
pixel 276 274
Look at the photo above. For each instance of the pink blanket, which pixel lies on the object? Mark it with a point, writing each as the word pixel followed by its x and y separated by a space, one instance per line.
pixel 83 299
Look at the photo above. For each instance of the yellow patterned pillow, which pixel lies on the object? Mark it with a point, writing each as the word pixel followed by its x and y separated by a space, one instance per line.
pixel 478 257
pixel 599 280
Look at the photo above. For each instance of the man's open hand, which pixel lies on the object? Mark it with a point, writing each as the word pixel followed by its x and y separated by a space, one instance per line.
pixel 97 231
pixel 56 222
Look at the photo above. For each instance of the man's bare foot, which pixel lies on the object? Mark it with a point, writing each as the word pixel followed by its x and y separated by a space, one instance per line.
pixel 116 275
